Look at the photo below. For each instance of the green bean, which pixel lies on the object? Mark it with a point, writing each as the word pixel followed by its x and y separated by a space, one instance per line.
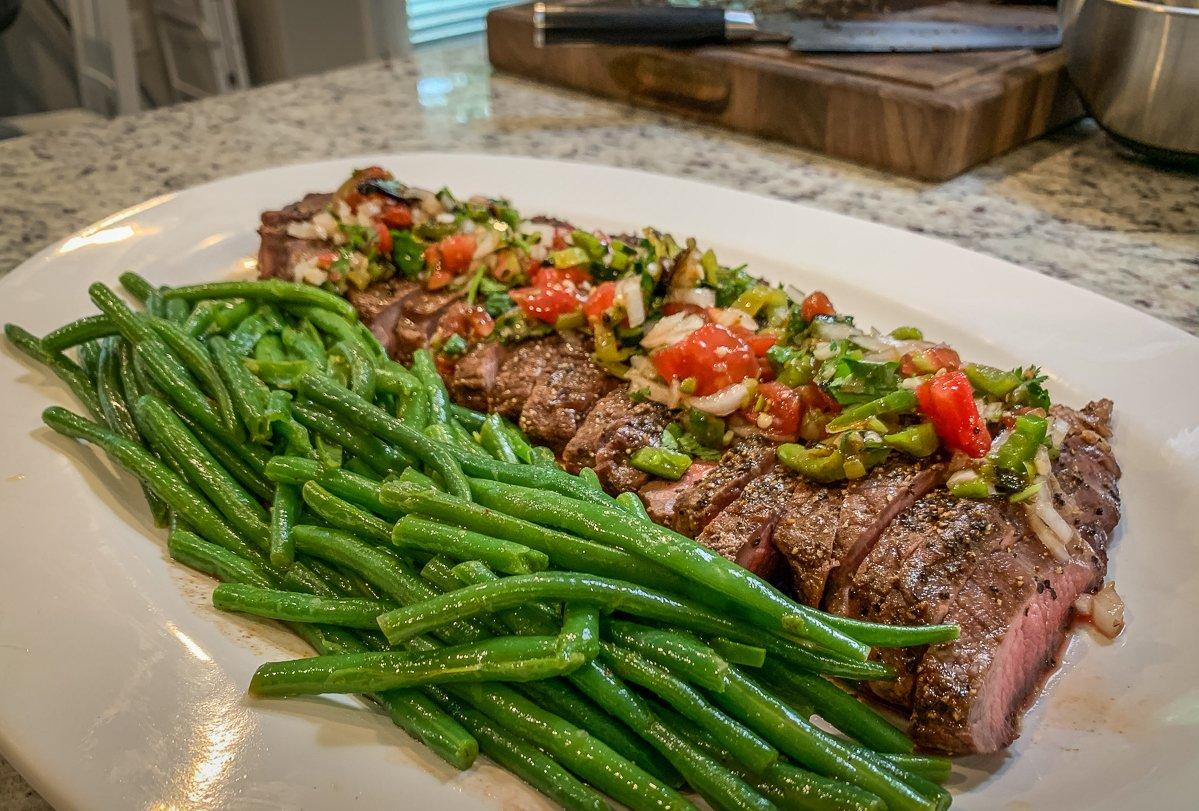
pixel 176 311
pixel 468 416
pixel 444 434
pixel 565 551
pixel 487 598
pixel 247 393
pixel 539 477
pixel 270 348
pixel 358 411
pixel 165 483
pixel 413 410
pixel 345 516
pixel 892 636
pixel 136 285
pixel 842 710
pixel 580 634
pixel 745 746
pixel 248 333
pixel 196 553
pixel 338 329
pixel 633 505
pixel 174 381
pixel 195 358
pixel 438 570
pixel 931 767
pixel 304 345
pixel 63 367
pixel 119 418
pixel 798 738
pixel 285 511
pixel 737 653
pixel 530 618
pixel 77 332
pixel 525 760
pixel 130 326
pixel 588 757
pixel 542 456
pixel 89 359
pixel 426 372
pixel 350 612
pixel 680 654
pixel 240 460
pixel 362 367
pixel 512 658
pixel 274 291
pixel 380 456
pixel 708 777
pixel 587 475
pixel 201 318
pixel 512 558
pixel 171 437
pixel 612 526
pixel 231 315
pixel 341 483
pixel 495 441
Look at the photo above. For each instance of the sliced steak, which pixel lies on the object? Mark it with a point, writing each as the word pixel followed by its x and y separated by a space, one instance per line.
pixel 660 496
pixel 869 505
pixel 580 451
pixel 417 321
pixel 524 365
pixel 640 429
pixel 1015 606
pixel 475 375
pixel 278 251
pixel 379 306
pixel 746 459
pixel 805 536
pixel 559 403
pixel 743 531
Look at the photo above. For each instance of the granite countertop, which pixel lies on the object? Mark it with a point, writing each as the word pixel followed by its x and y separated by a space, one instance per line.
pixel 1068 205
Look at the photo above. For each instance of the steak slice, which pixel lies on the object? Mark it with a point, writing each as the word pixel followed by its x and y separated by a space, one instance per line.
pixel 558 404
pixel 660 496
pixel 915 570
pixel 869 505
pixel 379 306
pixel 1016 605
pixel 805 536
pixel 746 459
pixel 278 251
pixel 610 410
pixel 743 531
pixel 641 429
pixel 475 375
pixel 519 373
pixel 419 314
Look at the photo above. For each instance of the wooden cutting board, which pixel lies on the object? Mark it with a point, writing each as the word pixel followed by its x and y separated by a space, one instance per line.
pixel 927 116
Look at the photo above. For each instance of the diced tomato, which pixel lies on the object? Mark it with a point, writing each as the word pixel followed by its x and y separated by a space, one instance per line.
pixel 559 241
pixel 543 276
pixel 396 215
pixel 759 342
pixel 445 365
pixel 600 300
pixel 546 303
pixel 815 398
pixel 948 401
pixel 325 259
pixel 383 238
pixel 438 278
pixel 457 252
pixel 927 361
pixel 673 307
pixel 815 304
pixel 713 355
pixel 472 323
pixel 784 406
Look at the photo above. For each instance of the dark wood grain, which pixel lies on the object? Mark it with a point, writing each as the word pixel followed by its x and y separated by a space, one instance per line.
pixel 927 116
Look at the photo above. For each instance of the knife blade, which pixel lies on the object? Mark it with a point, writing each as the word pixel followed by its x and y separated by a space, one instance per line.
pixel 913 36
pixel 676 26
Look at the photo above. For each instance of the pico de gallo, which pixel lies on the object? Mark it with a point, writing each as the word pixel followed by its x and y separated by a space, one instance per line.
pixel 731 354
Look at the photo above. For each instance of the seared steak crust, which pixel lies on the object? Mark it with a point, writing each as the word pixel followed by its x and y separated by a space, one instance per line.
pixel 805 536
pixel 519 373
pixel 642 428
pixel 558 404
pixel 278 251
pixel 743 531
pixel 744 460
pixel 475 375
pixel 608 412
pixel 380 308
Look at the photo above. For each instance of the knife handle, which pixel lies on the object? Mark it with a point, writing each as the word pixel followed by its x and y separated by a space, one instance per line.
pixel 555 24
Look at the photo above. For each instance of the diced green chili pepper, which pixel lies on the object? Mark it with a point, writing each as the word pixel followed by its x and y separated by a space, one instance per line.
pixel 589 243
pixel 906 334
pixel 707 429
pixel 661 462
pixel 900 401
pixel 918 440
pixel 569 258
pixel 1021 445
pixel 990 380
pixel 970 488
pixel 821 463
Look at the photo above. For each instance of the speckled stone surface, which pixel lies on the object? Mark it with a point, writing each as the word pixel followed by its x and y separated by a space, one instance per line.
pixel 1067 205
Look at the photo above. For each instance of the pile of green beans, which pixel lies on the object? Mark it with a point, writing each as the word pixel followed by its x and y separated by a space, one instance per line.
pixel 443 567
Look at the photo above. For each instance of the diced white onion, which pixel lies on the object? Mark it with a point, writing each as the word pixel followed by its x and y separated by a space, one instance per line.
pixel 486 244
pixel 445 218
pixel 880 350
pixel 723 402
pixel 823 351
pixel 1058 428
pixel 544 230
pixel 1041 461
pixel 671 330
pixel 307 271
pixel 344 212
pixel 835 330
pixel 990 412
pixel 794 293
pixel 732 316
pixel 912 383
pixel 325 224
pixel 367 212
pixel 1050 528
pixel 302 230
pixel 628 293
pixel 1107 611
pixel 704 297
pixel 961 477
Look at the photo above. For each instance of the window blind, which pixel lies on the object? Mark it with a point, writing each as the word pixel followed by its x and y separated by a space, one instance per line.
pixel 433 20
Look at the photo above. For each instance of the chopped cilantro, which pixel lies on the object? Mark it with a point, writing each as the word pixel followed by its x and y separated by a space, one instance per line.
pixel 357 236
pixel 408 253
pixel 497 303
pixel 731 283
pixel 859 381
pixel 454 346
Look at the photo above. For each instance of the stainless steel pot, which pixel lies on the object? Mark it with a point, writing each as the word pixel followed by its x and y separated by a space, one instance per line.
pixel 1136 67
